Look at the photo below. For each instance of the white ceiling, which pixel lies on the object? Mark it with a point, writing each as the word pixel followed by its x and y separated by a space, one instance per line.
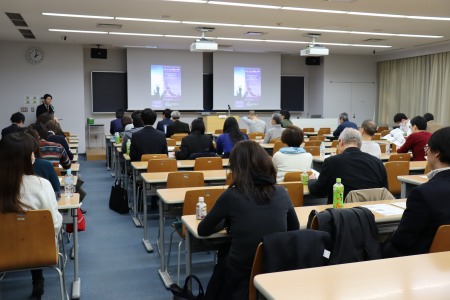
pixel 39 24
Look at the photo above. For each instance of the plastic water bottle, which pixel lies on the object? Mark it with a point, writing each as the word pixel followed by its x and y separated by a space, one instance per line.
pixel 201 209
pixel 68 183
pixel 117 138
pixel 128 146
pixel 322 150
pixel 388 148
pixel 338 194
pixel 305 177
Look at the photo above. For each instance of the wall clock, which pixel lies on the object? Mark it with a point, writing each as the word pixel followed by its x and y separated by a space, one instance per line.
pixel 34 55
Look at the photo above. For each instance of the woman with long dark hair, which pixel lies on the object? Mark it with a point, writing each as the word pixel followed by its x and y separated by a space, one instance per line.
pixel 20 190
pixel 196 144
pixel 231 135
pixel 253 206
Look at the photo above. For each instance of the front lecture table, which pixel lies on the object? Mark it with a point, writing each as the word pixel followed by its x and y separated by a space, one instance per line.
pixel 423 276
pixel 72 204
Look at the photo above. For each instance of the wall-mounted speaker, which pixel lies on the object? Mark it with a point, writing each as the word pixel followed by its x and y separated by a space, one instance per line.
pixel 312 60
pixel 99 53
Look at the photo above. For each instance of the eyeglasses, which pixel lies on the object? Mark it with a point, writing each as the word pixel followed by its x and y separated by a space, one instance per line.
pixel 426 148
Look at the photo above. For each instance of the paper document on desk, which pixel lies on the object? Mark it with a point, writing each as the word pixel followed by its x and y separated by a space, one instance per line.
pixel 400 204
pixel 384 209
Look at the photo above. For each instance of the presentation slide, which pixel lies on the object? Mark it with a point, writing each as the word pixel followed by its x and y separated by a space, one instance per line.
pixel 161 79
pixel 246 81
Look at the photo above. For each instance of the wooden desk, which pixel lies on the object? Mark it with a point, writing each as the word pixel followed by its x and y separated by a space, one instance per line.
pixel 72 204
pixel 73 145
pixel 61 181
pixel 75 167
pixel 409 182
pixel 423 276
pixel 160 178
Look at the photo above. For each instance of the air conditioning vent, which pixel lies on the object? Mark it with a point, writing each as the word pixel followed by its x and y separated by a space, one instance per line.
pixel 17 19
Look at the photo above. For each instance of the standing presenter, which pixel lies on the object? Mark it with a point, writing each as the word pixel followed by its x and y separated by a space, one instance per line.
pixel 46 106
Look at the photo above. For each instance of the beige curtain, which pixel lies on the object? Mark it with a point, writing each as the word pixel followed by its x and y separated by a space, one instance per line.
pixel 414 86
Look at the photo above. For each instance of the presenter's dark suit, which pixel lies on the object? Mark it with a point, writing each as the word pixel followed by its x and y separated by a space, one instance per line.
pixel 177 127
pixel 10 129
pixel 43 109
pixel 148 140
pixel 357 170
pixel 194 143
pixel 427 208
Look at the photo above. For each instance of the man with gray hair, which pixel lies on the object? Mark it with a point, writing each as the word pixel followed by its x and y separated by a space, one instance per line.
pixel 177 126
pixel 344 123
pixel 368 129
pixel 357 169
pixel 276 130
pixel 254 124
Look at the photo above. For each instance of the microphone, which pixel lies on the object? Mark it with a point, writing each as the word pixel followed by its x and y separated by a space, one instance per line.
pixel 229 110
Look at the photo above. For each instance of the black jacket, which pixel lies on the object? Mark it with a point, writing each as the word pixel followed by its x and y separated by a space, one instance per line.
pixel 148 140
pixel 195 143
pixel 42 109
pixel 13 128
pixel 354 234
pixel 177 127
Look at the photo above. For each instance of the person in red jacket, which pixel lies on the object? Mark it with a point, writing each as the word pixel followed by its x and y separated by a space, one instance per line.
pixel 417 140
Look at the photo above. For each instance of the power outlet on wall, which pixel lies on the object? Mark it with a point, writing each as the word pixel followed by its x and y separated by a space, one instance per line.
pixel 24 109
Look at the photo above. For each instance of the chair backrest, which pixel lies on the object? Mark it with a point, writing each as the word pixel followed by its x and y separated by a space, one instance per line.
pixel 380 129
pixel 393 148
pixel 244 130
pixel 256 135
pixel 28 240
pixel 178 136
pixel 308 129
pixel 277 146
pixel 162 165
pixel 400 157
pixel 256 270
pixel 368 195
pixel 313 143
pixel 171 142
pixel 66 134
pixel 314 150
pixel 394 169
pixel 185 179
pixel 376 137
pixel 427 169
pixel 441 241
pixel 295 191
pixel 147 157
pixel 324 130
pixel 385 132
pixel 273 141
pixel 292 176
pixel 316 138
pixel 334 143
pixel 208 163
pixel 57 171
pixel 383 147
pixel 229 180
pixel 218 131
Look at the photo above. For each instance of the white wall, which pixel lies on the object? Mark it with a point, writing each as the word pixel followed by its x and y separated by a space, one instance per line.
pixel 60 74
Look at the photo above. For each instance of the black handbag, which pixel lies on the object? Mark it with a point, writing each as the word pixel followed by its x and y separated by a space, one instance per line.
pixel 184 293
pixel 118 200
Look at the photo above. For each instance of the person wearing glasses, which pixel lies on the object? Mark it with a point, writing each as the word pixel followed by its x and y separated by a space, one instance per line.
pixel 417 140
pixel 427 206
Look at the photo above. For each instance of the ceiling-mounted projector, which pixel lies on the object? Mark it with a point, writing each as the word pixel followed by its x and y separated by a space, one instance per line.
pixel 314 49
pixel 203 44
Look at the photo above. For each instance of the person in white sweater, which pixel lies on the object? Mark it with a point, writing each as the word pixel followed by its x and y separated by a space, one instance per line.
pixel 292 158
pixel 368 129
pixel 20 190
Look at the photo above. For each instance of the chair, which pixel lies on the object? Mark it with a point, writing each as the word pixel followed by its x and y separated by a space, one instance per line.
pixel 385 132
pixel 229 179
pixel 189 208
pixel 393 148
pixel 368 195
pixel 162 165
pixel 171 142
pixel 400 157
pixel 185 179
pixel 312 143
pixel 324 130
pixel 244 130
pixel 427 169
pixel 66 134
pixel 277 146
pixel 334 143
pixel 145 157
pixel 294 176
pixel 256 270
pixel 57 171
pixel 256 135
pixel 295 191
pixel 317 138
pixel 273 141
pixel 383 147
pixel 308 129
pixel 208 163
pixel 178 136
pixel 441 240
pixel 376 137
pixel 218 131
pixel 381 129
pixel 28 242
pixel 394 169
pixel 314 150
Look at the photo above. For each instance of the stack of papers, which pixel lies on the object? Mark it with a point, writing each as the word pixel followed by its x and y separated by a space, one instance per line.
pixel 384 209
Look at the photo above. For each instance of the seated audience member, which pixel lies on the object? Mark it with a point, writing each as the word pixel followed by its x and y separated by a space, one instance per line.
pixel 196 143
pixel 137 125
pixel 357 169
pixel 403 122
pixel 276 130
pixel 432 125
pixel 53 128
pixel 177 126
pixel 42 167
pixel 17 120
pixel 44 118
pixel 344 123
pixel 166 121
pixel 20 190
pixel 148 140
pixel 53 152
pixel 116 124
pixel 417 140
pixel 427 206
pixel 292 158
pixel 285 118
pixel 252 207
pixel 253 122
pixel 45 107
pixel 230 136
pixel 127 123
pixel 368 129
